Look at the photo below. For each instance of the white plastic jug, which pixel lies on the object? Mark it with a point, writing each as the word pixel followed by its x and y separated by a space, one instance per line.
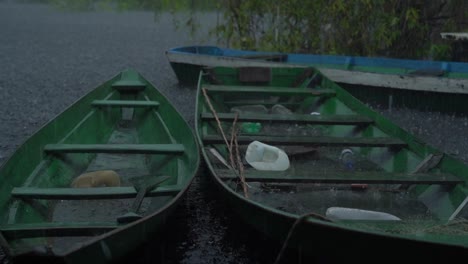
pixel 265 157
pixel 344 213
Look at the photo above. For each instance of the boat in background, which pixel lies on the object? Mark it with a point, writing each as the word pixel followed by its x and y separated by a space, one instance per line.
pixel 367 78
pixel 305 163
pixel 98 180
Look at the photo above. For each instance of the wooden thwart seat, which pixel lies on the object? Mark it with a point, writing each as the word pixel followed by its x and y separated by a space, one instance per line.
pixel 293 118
pixel 129 82
pixel 376 177
pixel 312 141
pixel 129 86
pixel 267 103
pixel 89 193
pixel 269 90
pixel 125 103
pixel 116 148
pixel 254 74
pixel 56 229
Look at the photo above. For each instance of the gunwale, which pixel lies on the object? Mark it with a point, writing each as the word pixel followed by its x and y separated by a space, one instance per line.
pixel 128 84
pixel 264 213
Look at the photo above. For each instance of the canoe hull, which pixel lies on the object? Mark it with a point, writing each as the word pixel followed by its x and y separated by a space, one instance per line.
pixel 272 201
pixel 316 240
pixel 110 248
pixel 383 81
pixel 125 125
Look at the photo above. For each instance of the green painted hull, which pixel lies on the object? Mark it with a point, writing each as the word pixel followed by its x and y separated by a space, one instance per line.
pixel 392 172
pixel 187 74
pixel 125 125
pixel 380 81
pixel 385 97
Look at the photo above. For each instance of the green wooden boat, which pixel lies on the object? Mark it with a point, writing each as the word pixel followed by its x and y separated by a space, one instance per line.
pixel 99 179
pixel 388 82
pixel 304 162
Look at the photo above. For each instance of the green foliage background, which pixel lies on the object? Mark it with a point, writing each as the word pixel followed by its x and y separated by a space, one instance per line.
pixel 391 28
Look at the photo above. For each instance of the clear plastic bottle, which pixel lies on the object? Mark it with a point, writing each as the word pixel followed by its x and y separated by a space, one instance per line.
pixel 347 158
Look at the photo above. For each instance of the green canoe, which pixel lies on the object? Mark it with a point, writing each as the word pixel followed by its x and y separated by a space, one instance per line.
pixel 419 84
pixel 99 179
pixel 297 148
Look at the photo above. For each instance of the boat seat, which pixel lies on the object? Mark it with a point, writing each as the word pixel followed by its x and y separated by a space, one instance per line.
pixel 56 229
pixel 269 90
pixel 313 141
pixel 293 118
pixel 375 177
pixel 129 86
pixel 255 74
pixel 124 103
pixel 267 103
pixel 116 148
pixel 129 82
pixel 89 193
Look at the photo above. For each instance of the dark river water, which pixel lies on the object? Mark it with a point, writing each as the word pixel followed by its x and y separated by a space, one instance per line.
pixel 49 58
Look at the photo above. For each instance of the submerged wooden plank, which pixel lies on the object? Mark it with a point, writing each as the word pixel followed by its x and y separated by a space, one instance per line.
pixel 374 177
pixel 431 161
pixel 116 148
pixel 17 231
pixel 312 141
pixel 269 90
pixel 293 118
pixel 89 193
pixel 125 103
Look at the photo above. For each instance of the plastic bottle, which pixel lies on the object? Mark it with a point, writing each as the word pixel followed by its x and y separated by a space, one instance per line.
pixel 347 158
pixel 266 157
pixel 316 130
pixel 250 127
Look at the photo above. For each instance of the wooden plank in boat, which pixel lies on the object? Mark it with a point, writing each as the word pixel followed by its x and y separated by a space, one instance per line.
pixel 376 177
pixel 129 82
pixel 262 102
pixel 293 118
pixel 17 231
pixel 116 148
pixel 129 86
pixel 255 74
pixel 89 193
pixel 269 90
pixel 125 103
pixel 312 141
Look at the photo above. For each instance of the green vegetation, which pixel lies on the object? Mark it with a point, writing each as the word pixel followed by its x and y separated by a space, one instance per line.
pixel 122 5
pixel 391 28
